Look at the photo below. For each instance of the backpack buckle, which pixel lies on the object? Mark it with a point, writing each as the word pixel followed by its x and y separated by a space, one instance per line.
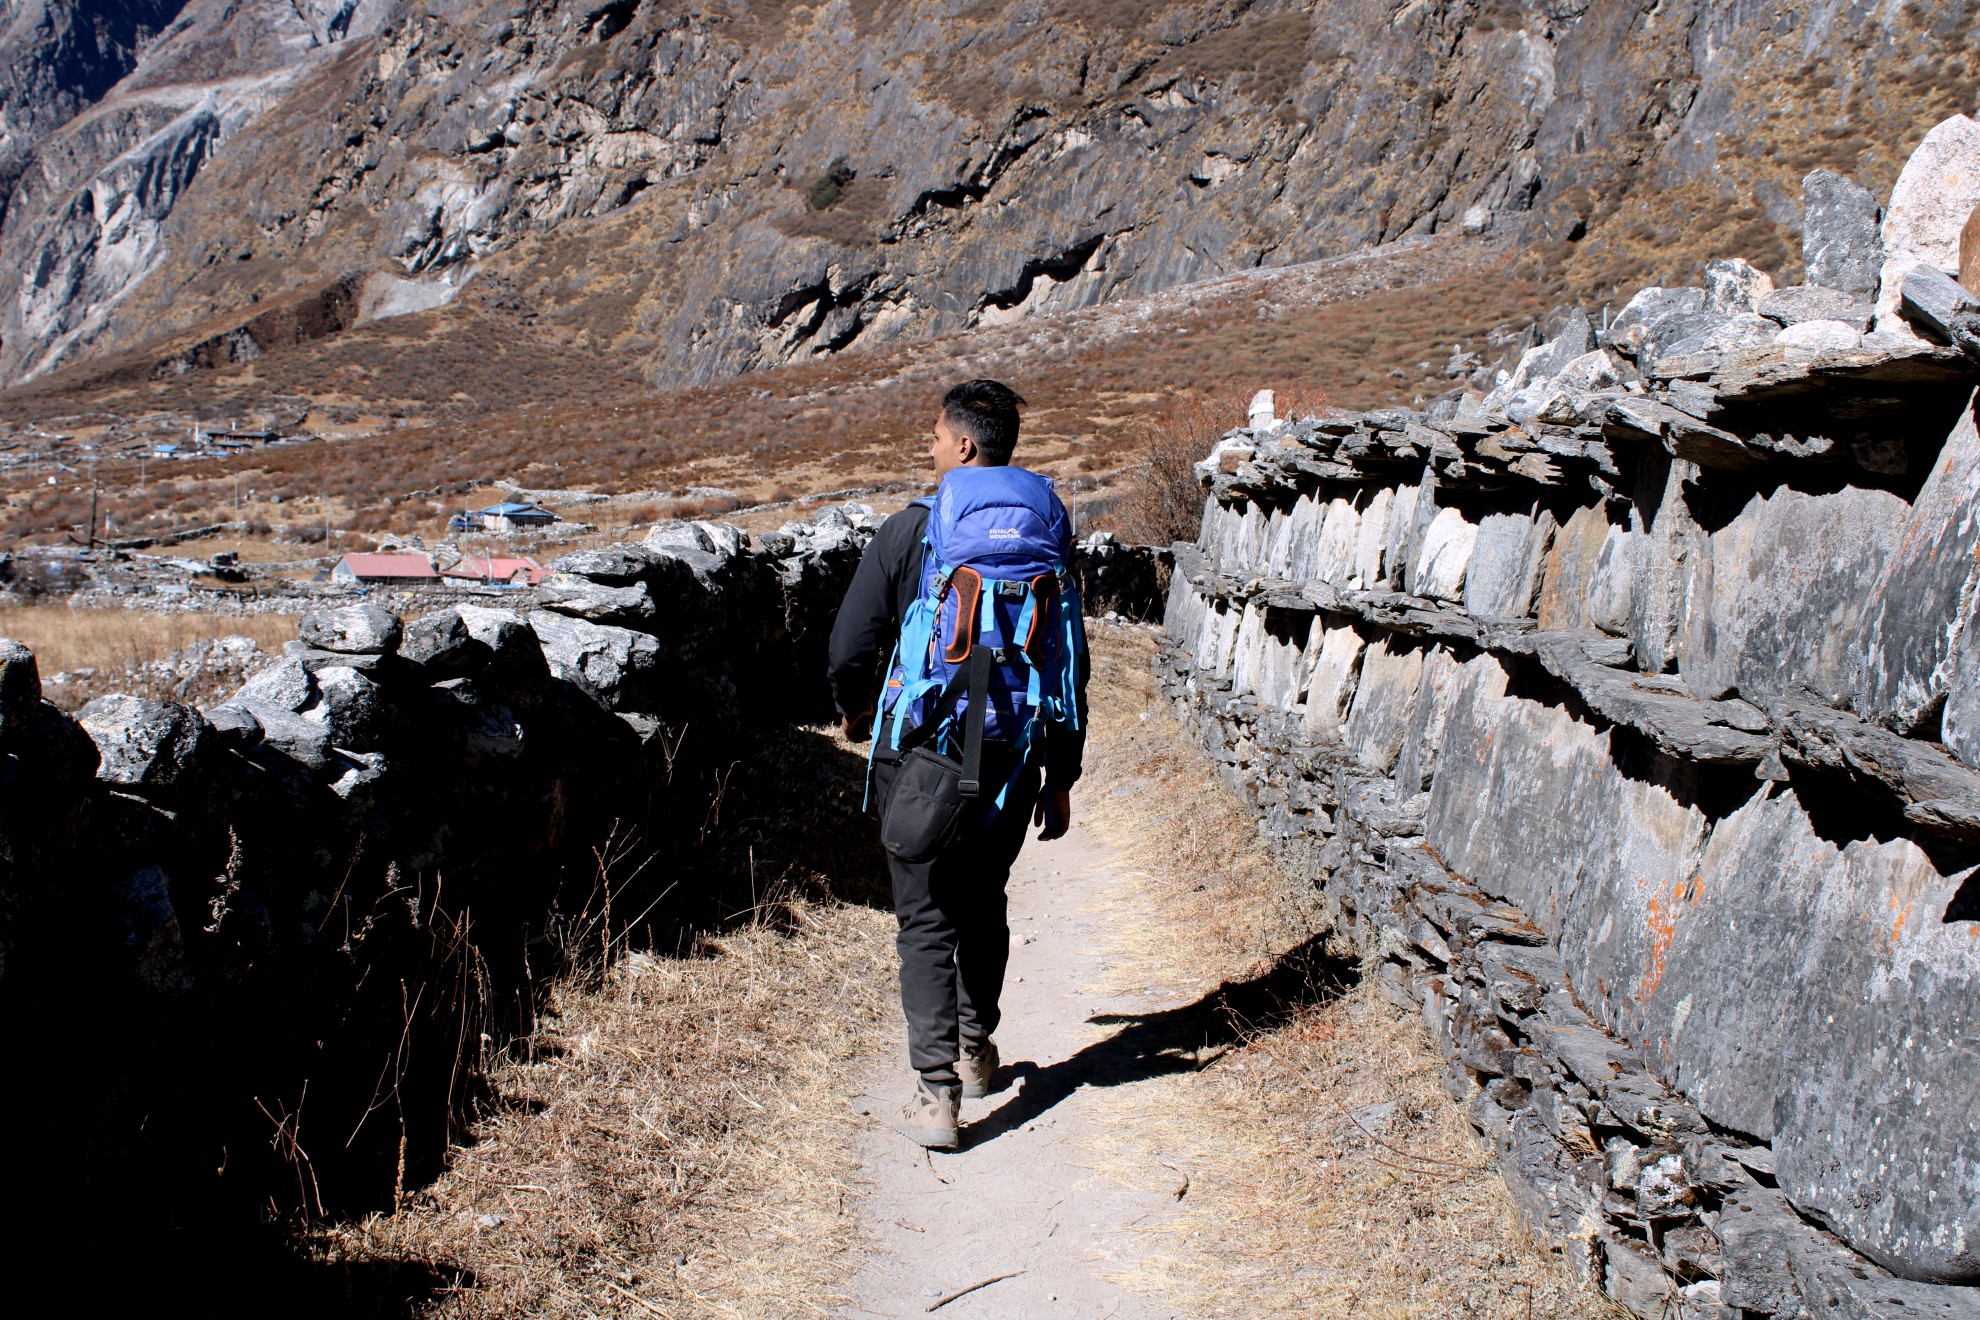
pixel 1012 589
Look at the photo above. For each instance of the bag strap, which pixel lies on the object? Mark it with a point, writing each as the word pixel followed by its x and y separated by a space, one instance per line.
pixel 971 682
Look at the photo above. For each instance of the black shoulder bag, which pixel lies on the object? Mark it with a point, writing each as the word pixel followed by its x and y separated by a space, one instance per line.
pixel 931 790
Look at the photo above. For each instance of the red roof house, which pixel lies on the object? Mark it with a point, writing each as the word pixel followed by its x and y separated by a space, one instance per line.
pixel 384 568
pixel 517 572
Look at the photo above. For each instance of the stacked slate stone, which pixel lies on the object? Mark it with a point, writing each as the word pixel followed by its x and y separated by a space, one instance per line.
pixel 228 903
pixel 1119 579
pixel 1629 714
pixel 224 904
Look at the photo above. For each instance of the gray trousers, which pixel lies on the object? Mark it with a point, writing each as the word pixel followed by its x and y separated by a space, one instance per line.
pixel 955 934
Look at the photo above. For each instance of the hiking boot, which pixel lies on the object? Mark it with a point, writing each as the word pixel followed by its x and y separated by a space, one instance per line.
pixel 929 1118
pixel 978 1069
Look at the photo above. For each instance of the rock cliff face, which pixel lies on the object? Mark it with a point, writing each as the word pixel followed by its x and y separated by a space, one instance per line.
pixel 63 58
pixel 704 189
pixel 1606 707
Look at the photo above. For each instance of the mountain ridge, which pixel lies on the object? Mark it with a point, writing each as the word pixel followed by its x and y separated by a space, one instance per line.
pixel 648 174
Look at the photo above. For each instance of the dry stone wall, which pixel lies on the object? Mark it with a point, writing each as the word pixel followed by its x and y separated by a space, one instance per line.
pixel 1623 714
pixel 309 910
pixel 264 946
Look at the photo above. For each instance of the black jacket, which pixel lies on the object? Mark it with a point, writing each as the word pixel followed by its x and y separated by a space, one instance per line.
pixel 883 587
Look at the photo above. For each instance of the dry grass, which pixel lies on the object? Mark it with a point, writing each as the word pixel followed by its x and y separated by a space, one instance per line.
pixel 124 646
pixel 676 1143
pixel 1097 378
pixel 1302 1199
pixel 1158 499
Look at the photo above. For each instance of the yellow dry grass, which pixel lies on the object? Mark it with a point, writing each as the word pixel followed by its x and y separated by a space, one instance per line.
pixel 119 641
pixel 677 1142
pixel 1329 1174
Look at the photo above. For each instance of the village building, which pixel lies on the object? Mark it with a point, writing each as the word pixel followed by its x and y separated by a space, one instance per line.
pixel 495 571
pixel 514 517
pixel 402 570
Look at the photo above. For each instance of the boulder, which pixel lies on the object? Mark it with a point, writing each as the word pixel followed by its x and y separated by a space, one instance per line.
pixel 20 685
pixel 1548 403
pixel 59 756
pixel 353 630
pixel 1732 286
pixel 1903 653
pixel 1634 326
pixel 516 668
pixel 1735 334
pixel 611 664
pixel 1813 337
pixel 1612 581
pixel 1333 668
pixel 1541 363
pixel 1504 570
pixel 1745 330
pixel 1384 700
pixel 143 744
pixel 1593 370
pixel 614 565
pixel 313 659
pixel 725 542
pixel 1759 1236
pixel 1476 220
pixel 1811 302
pixel 1574 336
pixel 1564 818
pixel 355 771
pixel 582 598
pixel 1942 307
pixel 1935 193
pixel 274 700
pixel 233 727
pixel 440 644
pixel 1667 338
pixel 1788 923
pixel 285 686
pixel 1444 556
pixel 1836 1291
pixel 1841 247
pixel 1781 591
pixel 350 708
pixel 1262 412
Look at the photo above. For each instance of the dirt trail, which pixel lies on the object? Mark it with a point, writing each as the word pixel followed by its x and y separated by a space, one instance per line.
pixel 1022 1193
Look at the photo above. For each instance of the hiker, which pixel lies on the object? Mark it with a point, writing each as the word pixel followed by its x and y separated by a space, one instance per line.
pixel 970 740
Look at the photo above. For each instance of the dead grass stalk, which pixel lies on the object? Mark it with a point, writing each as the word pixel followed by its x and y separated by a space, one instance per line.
pixel 675 1142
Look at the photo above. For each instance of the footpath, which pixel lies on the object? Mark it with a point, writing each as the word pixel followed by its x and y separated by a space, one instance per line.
pixel 1022 1202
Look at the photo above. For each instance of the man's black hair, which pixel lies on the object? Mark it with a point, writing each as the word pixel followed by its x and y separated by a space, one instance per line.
pixel 986 411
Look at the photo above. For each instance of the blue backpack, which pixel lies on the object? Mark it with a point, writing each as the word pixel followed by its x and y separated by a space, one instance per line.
pixel 991 645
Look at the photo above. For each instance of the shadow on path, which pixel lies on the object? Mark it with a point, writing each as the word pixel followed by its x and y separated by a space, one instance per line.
pixel 1174 1040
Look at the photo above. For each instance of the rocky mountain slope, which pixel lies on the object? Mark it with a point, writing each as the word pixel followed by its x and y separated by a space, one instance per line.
pixel 698 190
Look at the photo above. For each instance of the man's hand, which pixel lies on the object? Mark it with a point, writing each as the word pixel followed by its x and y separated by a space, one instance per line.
pixel 1054 812
pixel 856 727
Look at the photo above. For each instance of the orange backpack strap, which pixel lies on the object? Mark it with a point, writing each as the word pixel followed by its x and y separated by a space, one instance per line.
pixel 1044 591
pixel 969 594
